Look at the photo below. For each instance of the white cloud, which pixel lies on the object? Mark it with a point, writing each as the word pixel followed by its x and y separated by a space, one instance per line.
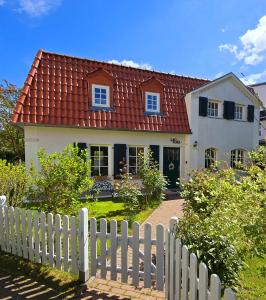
pixel 219 74
pixel 254 78
pixel 2 2
pixel 36 8
pixel 253 45
pixel 131 63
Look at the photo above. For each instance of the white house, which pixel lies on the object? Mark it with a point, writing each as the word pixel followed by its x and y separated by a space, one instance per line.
pixel 260 90
pixel 117 112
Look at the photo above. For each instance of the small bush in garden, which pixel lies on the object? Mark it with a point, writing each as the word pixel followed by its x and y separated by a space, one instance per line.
pixel 61 179
pixel 13 181
pixel 258 157
pixel 129 192
pixel 154 183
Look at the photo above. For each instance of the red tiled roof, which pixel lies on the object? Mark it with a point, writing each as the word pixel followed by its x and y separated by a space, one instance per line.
pixel 56 93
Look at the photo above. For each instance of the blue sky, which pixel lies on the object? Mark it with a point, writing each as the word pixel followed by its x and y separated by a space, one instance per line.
pixel 194 37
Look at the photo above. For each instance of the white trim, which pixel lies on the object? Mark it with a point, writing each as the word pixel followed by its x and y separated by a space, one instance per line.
pixel 243 112
pixel 107 88
pixel 158 101
pixel 237 81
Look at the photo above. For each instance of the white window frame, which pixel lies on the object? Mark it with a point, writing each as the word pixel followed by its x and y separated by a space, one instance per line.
pixel 158 101
pixel 107 88
pixel 239 106
pixel 213 109
pixel 237 155
pixel 208 159
pixel 128 156
pixel 108 158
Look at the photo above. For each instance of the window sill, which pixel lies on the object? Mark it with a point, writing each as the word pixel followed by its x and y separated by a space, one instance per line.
pixel 153 113
pixel 101 108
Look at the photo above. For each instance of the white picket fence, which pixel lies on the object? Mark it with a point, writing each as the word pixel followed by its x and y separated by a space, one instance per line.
pixel 67 242
pixel 45 238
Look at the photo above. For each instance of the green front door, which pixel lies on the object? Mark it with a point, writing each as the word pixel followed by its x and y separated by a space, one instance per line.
pixel 171 165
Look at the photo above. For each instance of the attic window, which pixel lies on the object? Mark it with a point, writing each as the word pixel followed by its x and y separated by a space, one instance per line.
pixel 152 102
pixel 100 95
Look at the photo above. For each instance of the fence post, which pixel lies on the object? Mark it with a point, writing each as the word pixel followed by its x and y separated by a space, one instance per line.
pixel 83 245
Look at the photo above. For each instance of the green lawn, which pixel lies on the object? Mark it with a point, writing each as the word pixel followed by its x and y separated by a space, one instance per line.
pixel 107 208
pixel 253 280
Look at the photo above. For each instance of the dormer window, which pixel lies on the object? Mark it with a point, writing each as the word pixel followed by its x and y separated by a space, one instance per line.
pixel 100 95
pixel 152 102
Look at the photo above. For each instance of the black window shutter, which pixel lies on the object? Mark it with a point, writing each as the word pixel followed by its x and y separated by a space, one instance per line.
pixel 120 158
pixel 229 110
pixel 81 146
pixel 155 150
pixel 250 113
pixel 203 106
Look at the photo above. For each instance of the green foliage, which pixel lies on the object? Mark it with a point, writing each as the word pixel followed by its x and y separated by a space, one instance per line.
pixel 258 157
pixel 61 179
pixel 154 183
pixel 224 216
pixel 130 193
pixel 13 182
pixel 11 137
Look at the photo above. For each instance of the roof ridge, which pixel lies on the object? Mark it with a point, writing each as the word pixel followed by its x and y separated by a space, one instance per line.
pixel 123 66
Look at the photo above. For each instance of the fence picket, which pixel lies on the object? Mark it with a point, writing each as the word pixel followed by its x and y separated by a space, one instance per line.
pixel 113 248
pixel 159 257
pixel 66 242
pixel 2 228
pixel 93 246
pixel 50 233
pixel 229 294
pixel 135 253
pixel 203 282
pixel 193 276
pixel 185 259
pixel 147 255
pixel 171 265
pixel 73 243
pixel 167 240
pixel 7 229
pixel 36 237
pixel 18 232
pixel 178 266
pixel 43 238
pixel 24 233
pixel 12 230
pixel 124 251
pixel 30 240
pixel 215 288
pixel 103 232
pixel 58 249
pixel 83 245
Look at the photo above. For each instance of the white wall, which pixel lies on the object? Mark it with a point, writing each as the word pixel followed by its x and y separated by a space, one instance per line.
pixel 56 139
pixel 219 133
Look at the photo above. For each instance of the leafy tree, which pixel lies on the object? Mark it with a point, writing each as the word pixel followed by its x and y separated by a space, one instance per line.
pixel 11 137
pixel 61 180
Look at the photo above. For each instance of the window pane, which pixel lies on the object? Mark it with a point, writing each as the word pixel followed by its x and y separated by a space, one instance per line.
pixel 132 161
pixel 104 171
pixel 104 151
pixel 94 150
pixel 95 171
pixel 97 90
pixel 132 151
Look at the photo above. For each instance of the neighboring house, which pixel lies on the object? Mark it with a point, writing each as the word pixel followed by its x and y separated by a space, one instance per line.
pixel 117 112
pixel 260 90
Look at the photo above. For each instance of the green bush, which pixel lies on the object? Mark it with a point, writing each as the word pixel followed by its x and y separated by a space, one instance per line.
pixel 13 181
pixel 258 157
pixel 154 183
pixel 130 193
pixel 224 216
pixel 61 179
